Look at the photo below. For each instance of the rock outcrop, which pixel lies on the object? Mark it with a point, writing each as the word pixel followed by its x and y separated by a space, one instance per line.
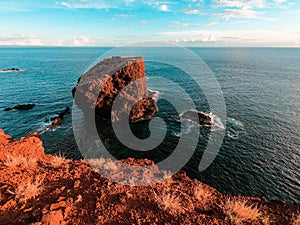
pixel 27 147
pixel 21 107
pixel 98 88
pixel 57 120
pixel 11 70
pixel 199 117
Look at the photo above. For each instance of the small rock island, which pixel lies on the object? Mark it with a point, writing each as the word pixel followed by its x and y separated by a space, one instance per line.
pixel 21 107
pixel 11 70
pixel 98 88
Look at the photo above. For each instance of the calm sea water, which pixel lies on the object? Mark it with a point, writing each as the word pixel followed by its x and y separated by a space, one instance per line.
pixel 260 154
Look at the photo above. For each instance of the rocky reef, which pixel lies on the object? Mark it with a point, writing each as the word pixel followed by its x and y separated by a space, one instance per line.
pixel 38 189
pixel 11 70
pixel 99 87
pixel 198 117
pixel 21 107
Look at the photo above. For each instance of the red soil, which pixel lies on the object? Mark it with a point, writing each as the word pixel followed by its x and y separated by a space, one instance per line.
pixel 71 192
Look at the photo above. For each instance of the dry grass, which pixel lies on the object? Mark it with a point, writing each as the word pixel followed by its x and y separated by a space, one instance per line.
pixel 110 165
pixel 29 190
pixel 19 161
pixel 203 196
pixel 297 220
pixel 96 163
pixel 58 161
pixel 240 211
pixel 169 203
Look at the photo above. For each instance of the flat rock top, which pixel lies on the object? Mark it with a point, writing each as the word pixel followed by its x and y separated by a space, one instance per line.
pixel 110 65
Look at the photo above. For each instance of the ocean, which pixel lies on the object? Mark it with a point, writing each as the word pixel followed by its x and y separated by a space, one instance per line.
pixel 260 154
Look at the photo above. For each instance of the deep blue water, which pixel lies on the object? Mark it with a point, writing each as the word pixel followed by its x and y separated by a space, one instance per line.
pixel 260 154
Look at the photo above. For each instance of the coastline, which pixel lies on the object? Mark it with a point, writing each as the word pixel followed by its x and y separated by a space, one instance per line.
pixel 37 188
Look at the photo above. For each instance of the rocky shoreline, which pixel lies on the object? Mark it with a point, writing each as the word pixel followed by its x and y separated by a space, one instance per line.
pixel 36 188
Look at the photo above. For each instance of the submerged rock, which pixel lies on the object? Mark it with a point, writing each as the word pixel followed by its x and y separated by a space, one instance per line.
pixel 58 119
pixel 11 70
pixel 21 107
pixel 201 117
pixel 98 88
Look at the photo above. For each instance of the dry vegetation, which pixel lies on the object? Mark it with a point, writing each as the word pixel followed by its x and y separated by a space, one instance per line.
pixel 19 161
pixel 27 191
pixel 297 220
pixel 169 202
pixel 48 189
pixel 58 161
pixel 240 211
pixel 204 196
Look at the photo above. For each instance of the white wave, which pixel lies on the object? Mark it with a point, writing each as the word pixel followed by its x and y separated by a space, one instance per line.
pixel 11 71
pixel 218 124
pixel 154 94
pixel 234 128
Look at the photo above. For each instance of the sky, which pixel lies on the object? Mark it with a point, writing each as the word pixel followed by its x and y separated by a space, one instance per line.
pixel 226 23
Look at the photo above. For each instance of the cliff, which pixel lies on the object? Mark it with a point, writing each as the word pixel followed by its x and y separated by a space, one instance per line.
pixel 43 189
pixel 98 88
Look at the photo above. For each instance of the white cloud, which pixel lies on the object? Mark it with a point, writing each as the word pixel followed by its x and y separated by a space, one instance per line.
pixel 81 41
pixel 237 13
pixel 123 16
pixel 190 11
pixel 207 39
pixel 59 43
pixel 66 5
pixel 244 9
pixel 164 8
pixel 212 23
pixel 280 1
pixel 236 37
pixel 239 4
pixel 128 2
pixel 90 4
pixel 143 22
pixel 176 25
pixel 21 40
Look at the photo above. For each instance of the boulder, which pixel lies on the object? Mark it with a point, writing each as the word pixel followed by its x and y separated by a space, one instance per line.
pixel 11 70
pixel 21 107
pixel 99 87
pixel 203 118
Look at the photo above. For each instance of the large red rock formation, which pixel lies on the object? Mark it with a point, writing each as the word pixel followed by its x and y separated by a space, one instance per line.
pixel 98 88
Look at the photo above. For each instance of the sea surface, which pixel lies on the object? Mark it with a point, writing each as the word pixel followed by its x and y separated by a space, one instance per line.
pixel 260 154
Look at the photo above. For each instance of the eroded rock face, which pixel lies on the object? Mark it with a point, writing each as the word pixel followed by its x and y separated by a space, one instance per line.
pixel 98 88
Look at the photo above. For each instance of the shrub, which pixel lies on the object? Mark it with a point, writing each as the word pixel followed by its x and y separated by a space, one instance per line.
pixel 110 166
pixel 19 161
pixel 29 190
pixel 58 161
pixel 169 203
pixel 203 196
pixel 240 211
pixel 297 220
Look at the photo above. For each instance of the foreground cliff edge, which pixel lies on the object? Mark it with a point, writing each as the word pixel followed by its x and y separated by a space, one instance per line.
pixel 36 188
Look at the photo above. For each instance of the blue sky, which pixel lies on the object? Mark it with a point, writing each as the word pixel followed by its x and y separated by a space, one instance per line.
pixel 117 22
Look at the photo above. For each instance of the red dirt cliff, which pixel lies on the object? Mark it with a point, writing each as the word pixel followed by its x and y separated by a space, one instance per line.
pixel 43 189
